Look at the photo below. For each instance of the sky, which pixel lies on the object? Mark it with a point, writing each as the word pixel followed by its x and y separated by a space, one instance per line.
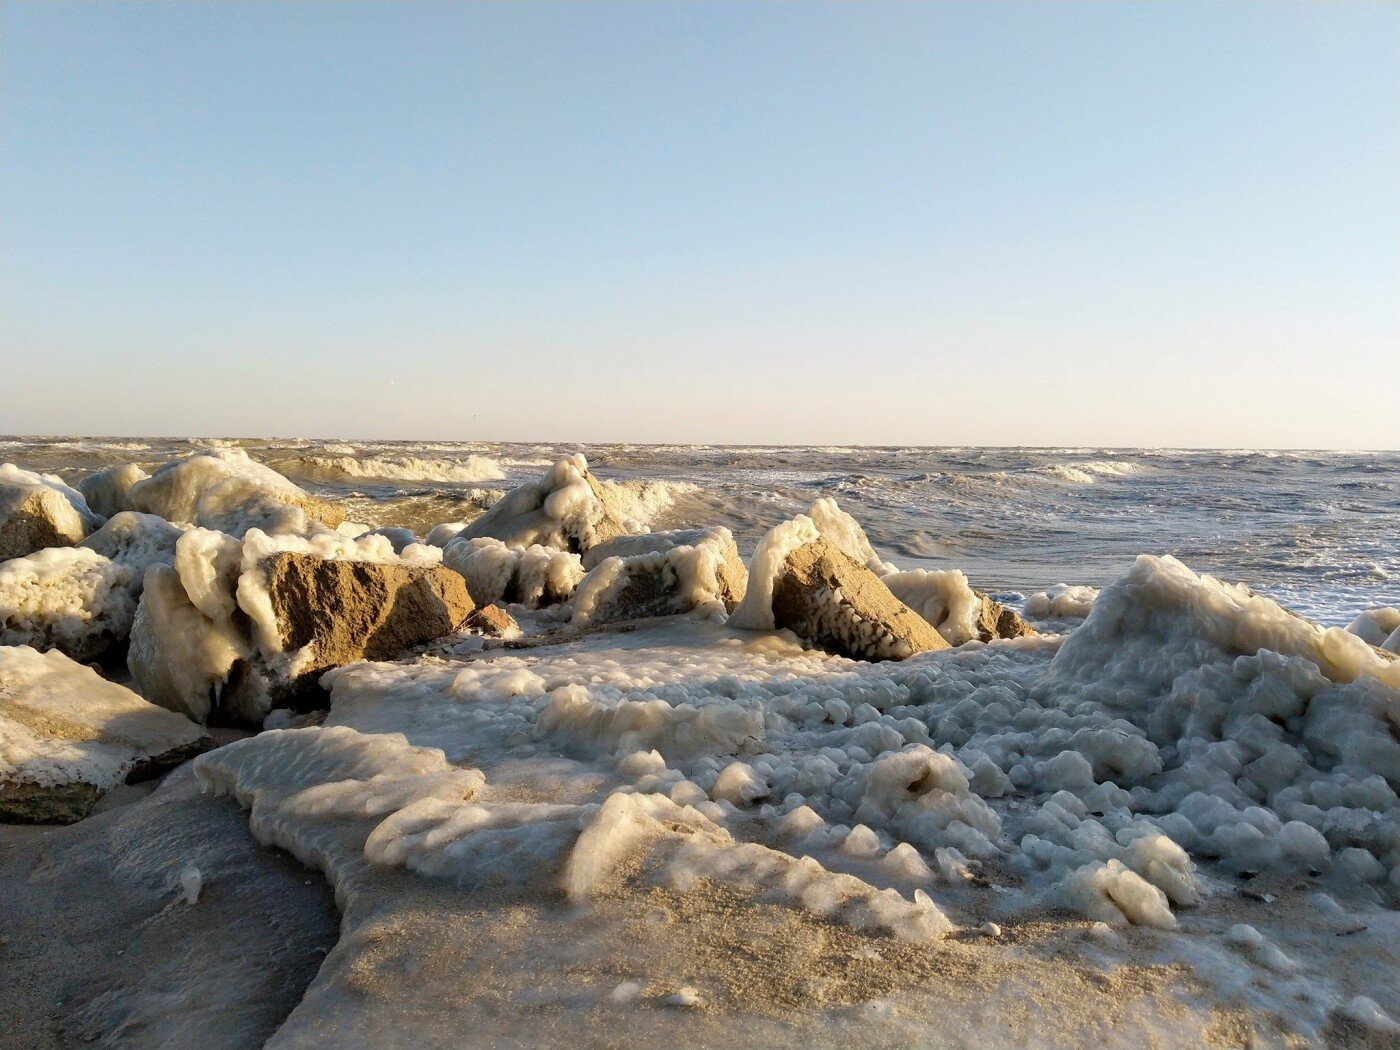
pixel 1117 224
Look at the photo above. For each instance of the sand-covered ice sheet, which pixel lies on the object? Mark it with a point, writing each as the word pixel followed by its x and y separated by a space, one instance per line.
pixel 1158 829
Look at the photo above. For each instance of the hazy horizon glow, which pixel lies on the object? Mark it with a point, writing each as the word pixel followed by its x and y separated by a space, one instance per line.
pixel 1096 224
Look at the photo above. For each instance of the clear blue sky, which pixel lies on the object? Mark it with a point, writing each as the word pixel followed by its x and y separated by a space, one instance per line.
pixel 1137 223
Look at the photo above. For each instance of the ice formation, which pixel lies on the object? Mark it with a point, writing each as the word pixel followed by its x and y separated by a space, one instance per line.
pixel 1062 602
pixel 106 491
pixel 705 574
pixel 1378 627
pixel 567 509
pixel 62 724
pixel 823 519
pixel 67 598
pixel 210 614
pixel 943 597
pixel 533 576
pixel 227 490
pixel 39 510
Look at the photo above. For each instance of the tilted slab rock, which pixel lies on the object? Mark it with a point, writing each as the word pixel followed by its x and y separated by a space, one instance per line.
pixel 67 735
pixel 837 604
pixel 39 511
pixel 330 612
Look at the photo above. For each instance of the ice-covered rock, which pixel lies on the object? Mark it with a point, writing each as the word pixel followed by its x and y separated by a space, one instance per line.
pixel 961 614
pixel 534 576
pixel 107 490
pixel 227 490
pixel 136 541
pixel 568 509
pixel 705 572
pixel 802 581
pixel 82 600
pixel 67 735
pixel 239 623
pixel 67 598
pixel 39 511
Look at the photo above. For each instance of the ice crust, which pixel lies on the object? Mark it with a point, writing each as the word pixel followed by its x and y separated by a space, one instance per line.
pixel 61 722
pixel 562 510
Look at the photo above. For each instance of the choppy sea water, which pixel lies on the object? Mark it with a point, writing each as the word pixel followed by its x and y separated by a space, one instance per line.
pixel 1315 530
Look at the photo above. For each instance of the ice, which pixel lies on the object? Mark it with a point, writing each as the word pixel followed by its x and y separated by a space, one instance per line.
pixel 191 882
pixel 64 507
pixel 533 576
pixel 67 598
pixel 943 597
pixel 211 612
pixel 82 599
pixel 1378 627
pixel 1111 893
pixel 61 722
pixel 755 612
pixel 566 509
pixel 1062 601
pixel 107 490
pixel 224 489
pixel 689 576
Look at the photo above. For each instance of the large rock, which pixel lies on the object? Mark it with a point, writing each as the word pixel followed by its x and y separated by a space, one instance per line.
pixel 67 736
pixel 662 574
pixel 330 612
pixel 828 598
pixel 39 511
pixel 227 490
pixel 106 490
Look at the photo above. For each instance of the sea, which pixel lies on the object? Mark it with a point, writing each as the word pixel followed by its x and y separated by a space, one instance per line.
pixel 1315 530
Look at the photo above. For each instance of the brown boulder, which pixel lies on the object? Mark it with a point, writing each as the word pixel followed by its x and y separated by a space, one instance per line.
pixel 831 600
pixel 491 621
pixel 336 612
pixel 997 621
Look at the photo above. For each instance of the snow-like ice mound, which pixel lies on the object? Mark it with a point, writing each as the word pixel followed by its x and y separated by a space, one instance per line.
pixel 227 490
pixel 1062 601
pixel 534 576
pixel 107 490
pixel 567 509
